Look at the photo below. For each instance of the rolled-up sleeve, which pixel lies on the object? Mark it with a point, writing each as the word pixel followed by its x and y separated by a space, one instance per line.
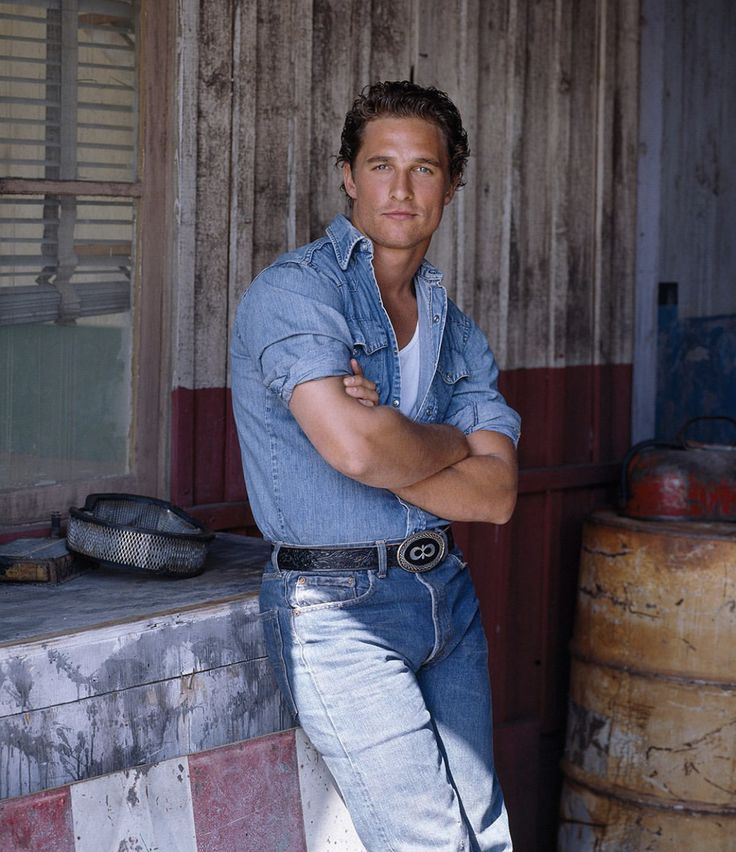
pixel 290 324
pixel 476 403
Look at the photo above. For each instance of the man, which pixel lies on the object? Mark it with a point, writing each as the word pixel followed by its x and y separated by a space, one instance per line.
pixel 369 417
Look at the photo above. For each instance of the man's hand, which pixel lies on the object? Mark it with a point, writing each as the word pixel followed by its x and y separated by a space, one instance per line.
pixel 359 387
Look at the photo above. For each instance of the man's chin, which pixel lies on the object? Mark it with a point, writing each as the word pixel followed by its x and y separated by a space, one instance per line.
pixel 407 237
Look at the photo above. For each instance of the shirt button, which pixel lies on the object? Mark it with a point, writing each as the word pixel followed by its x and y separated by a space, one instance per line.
pixel 436 318
pixel 396 403
pixel 428 412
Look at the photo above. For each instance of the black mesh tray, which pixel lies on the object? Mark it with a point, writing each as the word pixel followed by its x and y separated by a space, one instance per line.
pixel 131 531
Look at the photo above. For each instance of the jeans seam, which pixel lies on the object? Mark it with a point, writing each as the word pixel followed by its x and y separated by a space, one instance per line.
pixel 435 622
pixel 273 616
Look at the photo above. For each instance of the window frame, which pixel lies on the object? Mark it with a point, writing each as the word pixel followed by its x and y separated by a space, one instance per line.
pixel 154 193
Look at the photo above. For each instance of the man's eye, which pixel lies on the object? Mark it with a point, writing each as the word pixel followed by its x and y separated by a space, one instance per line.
pixel 380 167
pixel 424 170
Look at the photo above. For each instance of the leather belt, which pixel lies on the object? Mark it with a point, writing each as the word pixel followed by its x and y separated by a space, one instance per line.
pixel 417 553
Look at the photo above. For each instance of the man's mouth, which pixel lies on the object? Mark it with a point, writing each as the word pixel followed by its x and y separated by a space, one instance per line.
pixel 399 215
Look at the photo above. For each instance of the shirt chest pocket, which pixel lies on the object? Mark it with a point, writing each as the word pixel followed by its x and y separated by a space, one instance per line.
pixel 452 369
pixel 371 351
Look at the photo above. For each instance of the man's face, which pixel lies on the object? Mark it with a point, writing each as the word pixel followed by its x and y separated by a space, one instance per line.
pixel 399 182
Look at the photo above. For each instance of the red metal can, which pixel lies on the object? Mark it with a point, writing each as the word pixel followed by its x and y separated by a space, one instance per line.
pixel 685 480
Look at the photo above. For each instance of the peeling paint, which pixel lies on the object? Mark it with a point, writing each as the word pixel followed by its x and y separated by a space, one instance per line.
pixel 216 688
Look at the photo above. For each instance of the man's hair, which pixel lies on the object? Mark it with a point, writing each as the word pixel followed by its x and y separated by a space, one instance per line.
pixel 402 99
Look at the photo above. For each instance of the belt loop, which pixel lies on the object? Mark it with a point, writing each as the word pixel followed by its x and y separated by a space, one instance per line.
pixel 382 559
pixel 275 558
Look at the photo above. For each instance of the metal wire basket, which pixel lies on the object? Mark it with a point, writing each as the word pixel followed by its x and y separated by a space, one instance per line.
pixel 130 531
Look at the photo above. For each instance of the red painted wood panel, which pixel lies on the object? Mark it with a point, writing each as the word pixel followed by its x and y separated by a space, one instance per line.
pixel 571 415
pixel 205 454
pixel 39 822
pixel 182 447
pixel 234 794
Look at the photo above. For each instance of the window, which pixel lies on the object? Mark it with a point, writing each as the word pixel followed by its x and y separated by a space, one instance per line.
pixel 80 319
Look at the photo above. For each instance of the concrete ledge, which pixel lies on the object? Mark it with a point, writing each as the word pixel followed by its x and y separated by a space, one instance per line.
pixel 113 670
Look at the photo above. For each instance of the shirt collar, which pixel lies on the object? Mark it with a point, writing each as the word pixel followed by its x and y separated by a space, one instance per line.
pixel 344 237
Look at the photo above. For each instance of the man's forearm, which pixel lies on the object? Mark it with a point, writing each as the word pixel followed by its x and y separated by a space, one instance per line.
pixel 377 446
pixel 481 487
pixel 395 452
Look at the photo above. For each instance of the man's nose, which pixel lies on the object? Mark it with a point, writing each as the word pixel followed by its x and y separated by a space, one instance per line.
pixel 401 186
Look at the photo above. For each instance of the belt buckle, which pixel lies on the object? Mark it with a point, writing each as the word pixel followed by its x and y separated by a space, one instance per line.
pixel 422 551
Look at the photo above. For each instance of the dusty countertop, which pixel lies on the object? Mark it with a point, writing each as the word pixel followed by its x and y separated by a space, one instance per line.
pixel 101 595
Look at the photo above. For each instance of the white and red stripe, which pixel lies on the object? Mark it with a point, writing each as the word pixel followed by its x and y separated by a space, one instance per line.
pixel 269 793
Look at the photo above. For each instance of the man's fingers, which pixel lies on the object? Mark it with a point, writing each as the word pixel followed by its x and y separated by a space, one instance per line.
pixel 359 387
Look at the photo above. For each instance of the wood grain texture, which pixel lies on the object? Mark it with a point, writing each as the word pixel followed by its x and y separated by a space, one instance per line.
pixel 698 199
pixel 538 247
pixel 214 128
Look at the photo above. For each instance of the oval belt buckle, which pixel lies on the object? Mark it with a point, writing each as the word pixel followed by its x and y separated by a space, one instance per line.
pixel 422 551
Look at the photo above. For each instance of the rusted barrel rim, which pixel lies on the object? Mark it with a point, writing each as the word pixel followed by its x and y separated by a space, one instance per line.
pixel 720 530
pixel 650 674
pixel 611 791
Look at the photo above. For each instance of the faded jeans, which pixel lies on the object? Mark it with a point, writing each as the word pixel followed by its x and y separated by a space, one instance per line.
pixel 387 673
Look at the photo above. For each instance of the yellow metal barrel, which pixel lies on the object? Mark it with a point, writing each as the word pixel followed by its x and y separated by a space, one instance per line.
pixel 650 756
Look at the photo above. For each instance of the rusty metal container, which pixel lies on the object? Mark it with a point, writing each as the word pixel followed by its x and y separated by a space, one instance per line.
pixel 650 756
pixel 685 480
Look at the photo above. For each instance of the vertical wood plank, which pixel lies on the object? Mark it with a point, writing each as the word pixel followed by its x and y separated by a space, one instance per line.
pixel 155 245
pixel 529 295
pixel 243 154
pixel 187 95
pixel 447 58
pixel 392 40
pixel 576 339
pixel 699 127
pixel 501 49
pixel 214 186
pixel 214 134
pixel 340 69
pixel 282 127
pixel 649 177
pixel 625 146
pixel 561 120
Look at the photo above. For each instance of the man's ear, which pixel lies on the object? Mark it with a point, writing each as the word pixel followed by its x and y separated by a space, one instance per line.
pixel 450 194
pixel 348 182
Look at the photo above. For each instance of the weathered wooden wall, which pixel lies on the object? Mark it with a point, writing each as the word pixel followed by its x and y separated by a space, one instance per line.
pixel 538 247
pixel 687 217
pixel 698 211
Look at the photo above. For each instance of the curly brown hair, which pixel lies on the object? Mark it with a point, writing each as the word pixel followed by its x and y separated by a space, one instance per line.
pixel 403 99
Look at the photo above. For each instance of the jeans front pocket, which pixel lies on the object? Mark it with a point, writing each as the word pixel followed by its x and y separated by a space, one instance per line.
pixel 311 591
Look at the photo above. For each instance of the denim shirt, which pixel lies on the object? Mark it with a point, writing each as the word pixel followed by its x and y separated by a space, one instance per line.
pixel 303 318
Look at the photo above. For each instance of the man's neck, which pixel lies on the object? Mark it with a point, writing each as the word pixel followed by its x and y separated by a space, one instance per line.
pixel 395 269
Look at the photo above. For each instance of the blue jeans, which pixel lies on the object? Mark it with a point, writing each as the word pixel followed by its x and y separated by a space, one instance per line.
pixel 387 673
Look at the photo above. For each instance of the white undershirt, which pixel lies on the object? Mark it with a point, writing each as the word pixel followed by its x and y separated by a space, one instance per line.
pixel 409 365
